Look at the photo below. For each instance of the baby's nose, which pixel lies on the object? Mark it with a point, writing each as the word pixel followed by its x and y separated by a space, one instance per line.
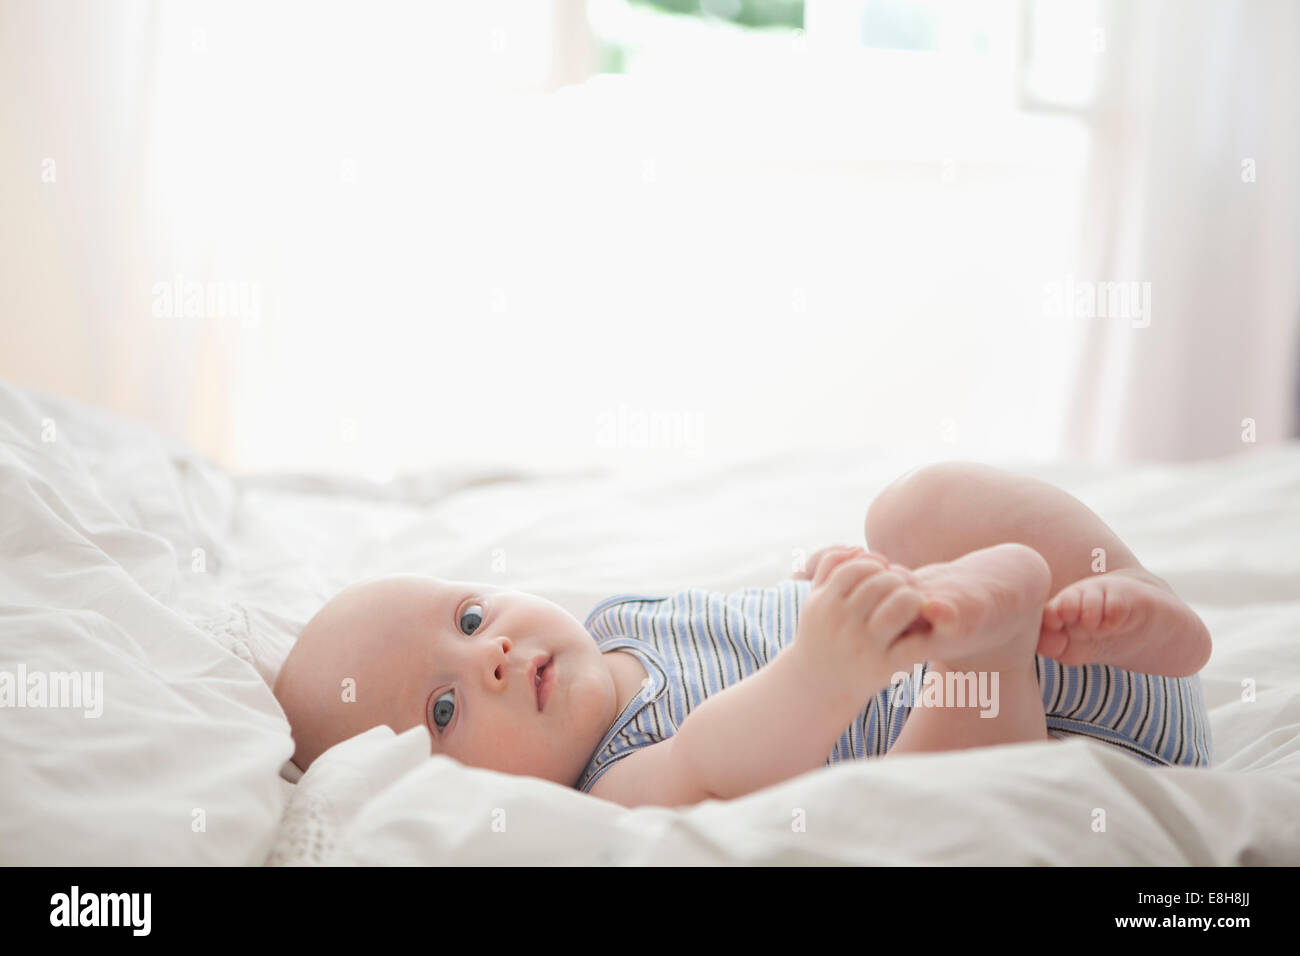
pixel 502 660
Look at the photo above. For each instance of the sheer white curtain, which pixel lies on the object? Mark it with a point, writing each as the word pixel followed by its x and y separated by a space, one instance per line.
pixel 1192 188
pixel 76 83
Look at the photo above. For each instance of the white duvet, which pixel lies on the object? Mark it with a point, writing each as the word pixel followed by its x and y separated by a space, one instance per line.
pixel 126 555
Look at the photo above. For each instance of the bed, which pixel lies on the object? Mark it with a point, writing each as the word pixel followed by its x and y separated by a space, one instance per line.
pixel 127 555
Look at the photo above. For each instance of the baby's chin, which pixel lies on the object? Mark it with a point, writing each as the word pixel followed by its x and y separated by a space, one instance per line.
pixel 598 708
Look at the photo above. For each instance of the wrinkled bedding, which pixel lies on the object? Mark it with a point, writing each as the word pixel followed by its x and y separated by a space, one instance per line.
pixel 126 554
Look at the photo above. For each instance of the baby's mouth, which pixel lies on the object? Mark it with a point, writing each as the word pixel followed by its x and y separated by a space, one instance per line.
pixel 538 677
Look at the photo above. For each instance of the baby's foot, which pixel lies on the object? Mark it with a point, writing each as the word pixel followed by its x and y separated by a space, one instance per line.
pixel 1128 618
pixel 984 608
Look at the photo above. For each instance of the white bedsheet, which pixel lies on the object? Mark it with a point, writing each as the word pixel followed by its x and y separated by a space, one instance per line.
pixel 126 552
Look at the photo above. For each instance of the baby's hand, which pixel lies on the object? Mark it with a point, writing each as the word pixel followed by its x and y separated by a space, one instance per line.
pixel 853 633
pixel 810 566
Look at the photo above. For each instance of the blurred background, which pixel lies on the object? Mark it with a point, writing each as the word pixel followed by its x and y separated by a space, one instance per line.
pixel 369 238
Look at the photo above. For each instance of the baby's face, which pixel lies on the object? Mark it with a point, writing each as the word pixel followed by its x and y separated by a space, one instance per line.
pixel 458 659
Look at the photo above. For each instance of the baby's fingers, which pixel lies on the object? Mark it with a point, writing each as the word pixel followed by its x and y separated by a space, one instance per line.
pixel 831 559
pixel 895 614
pixel 873 585
pixel 809 569
pixel 847 581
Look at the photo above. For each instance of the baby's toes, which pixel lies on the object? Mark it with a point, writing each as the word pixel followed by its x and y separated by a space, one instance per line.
pixel 1092 607
pixel 1116 612
pixel 1065 608
pixel 1052 643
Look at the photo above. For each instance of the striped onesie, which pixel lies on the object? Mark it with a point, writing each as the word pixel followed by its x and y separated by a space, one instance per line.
pixel 695 642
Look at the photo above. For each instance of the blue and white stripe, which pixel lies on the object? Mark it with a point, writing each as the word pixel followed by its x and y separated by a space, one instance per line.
pixel 694 643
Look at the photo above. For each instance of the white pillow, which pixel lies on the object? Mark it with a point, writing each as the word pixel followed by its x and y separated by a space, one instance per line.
pixel 180 766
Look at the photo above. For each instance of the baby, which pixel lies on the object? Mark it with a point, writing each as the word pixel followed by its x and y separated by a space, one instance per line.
pixel 975 578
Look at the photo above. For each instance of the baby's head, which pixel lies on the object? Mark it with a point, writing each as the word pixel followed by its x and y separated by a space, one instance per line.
pixel 407 650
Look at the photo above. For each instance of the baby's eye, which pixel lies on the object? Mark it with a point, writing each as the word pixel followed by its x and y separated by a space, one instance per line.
pixel 444 707
pixel 473 614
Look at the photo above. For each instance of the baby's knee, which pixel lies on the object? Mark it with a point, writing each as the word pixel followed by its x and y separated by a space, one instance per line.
pixel 912 497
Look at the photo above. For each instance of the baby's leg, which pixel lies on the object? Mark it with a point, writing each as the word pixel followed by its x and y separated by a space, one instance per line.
pixel 982 638
pixel 1104 608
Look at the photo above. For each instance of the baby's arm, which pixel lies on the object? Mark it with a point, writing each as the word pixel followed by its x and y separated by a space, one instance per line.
pixel 855 633
pixel 784 720
pixel 775 724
